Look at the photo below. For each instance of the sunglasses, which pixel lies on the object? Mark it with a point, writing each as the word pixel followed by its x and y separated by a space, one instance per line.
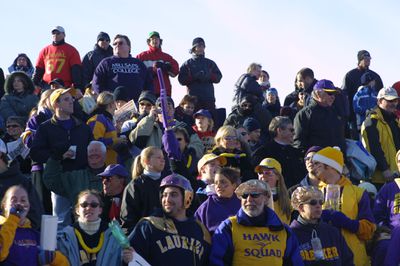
pixel 13 126
pixel 179 139
pixel 87 204
pixel 331 93
pixel 254 195
pixel 314 202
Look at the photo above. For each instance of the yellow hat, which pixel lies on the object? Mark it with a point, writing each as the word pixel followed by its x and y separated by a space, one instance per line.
pixel 270 163
pixel 208 158
pixel 58 92
pixel 331 156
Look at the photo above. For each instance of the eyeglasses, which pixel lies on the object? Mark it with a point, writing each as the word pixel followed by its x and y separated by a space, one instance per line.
pixel 13 126
pixel 91 204
pixel 254 195
pixel 314 202
pixel 230 138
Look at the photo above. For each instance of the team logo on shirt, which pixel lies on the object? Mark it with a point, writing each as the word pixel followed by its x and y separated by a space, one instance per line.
pixel 125 68
pixel 396 204
pixel 267 245
pixel 181 242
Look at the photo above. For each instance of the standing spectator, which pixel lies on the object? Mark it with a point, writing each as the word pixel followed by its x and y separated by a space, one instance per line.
pixel 223 203
pixel 354 215
pixel 154 235
pixel 319 123
pixel 198 74
pixel 264 82
pixel 304 81
pixel 2 80
pixel 247 84
pixel 58 60
pixel 92 59
pixel 381 135
pixel 352 81
pixel 280 148
pixel 102 125
pixel 308 227
pixel 18 240
pixel 19 99
pixel 122 69
pixel 22 63
pixel 237 240
pixel 155 58
pixel 271 102
pixel 62 134
pixel 298 104
pixel 270 171
pixel 365 98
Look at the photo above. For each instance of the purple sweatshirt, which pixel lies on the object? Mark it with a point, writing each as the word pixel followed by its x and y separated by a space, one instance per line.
pixel 393 255
pixel 215 210
pixel 387 205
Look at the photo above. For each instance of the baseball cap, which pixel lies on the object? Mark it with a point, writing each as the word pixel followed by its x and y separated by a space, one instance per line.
pixel 270 163
pixel 58 82
pixel 203 112
pixel 58 92
pixel 58 28
pixel 114 169
pixel 154 33
pixel 366 78
pixel 325 85
pixel 388 93
pixel 208 158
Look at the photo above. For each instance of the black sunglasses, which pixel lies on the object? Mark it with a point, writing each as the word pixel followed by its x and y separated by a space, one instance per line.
pixel 92 204
pixel 252 194
pixel 314 202
pixel 179 139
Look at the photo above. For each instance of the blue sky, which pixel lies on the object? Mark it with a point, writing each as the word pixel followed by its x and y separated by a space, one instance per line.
pixel 283 36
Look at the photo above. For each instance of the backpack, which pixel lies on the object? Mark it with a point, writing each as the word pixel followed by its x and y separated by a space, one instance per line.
pixel 361 163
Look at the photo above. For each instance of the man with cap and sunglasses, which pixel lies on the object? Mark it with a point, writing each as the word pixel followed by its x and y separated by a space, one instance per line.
pixel 381 135
pixel 352 81
pixel 319 123
pixel 155 58
pixel 352 214
pixel 92 59
pixel 170 237
pixel 58 60
pixel 199 74
pixel 255 235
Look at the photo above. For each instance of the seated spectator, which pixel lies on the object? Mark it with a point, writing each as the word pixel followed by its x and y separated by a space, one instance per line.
pixel 310 179
pixel 309 229
pixel 253 130
pixel 18 240
pixel 223 203
pixel 227 145
pixel 89 240
pixel 271 102
pixel 270 171
pixel 19 98
pixel 102 125
pixel 393 255
pixel 378 246
pixel 188 154
pixel 121 96
pixel 22 63
pixel 10 175
pixel 365 98
pixel 207 167
pixel 298 104
pixel 141 196
pixel 185 110
pixel 204 125
pixel 15 126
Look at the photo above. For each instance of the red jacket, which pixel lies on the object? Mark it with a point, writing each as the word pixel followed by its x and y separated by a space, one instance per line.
pixel 153 55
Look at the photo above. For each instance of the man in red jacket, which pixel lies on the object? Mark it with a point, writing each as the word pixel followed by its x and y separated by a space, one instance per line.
pixel 155 58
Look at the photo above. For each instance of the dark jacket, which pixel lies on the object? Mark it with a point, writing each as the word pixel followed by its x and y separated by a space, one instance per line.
pixel 291 159
pixel 274 109
pixel 12 177
pixel 198 74
pixel 52 139
pixel 248 85
pixel 318 125
pixel 237 159
pixel 336 251
pixel 17 104
pixel 91 60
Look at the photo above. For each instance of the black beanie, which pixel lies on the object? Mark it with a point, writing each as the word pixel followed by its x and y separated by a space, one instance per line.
pixel 103 35
pixel 121 94
pixel 251 124
pixel 361 54
pixel 147 96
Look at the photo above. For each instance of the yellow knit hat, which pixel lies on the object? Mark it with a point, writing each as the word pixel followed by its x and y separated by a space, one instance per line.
pixel 331 156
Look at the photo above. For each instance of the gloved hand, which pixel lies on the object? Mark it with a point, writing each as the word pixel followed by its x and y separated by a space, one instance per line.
pixel 17 210
pixel 388 175
pixel 171 145
pixel 166 67
pixel 326 216
pixel 46 256
pixel 340 220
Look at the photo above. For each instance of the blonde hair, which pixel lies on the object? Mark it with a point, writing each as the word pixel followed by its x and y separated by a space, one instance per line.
pixel 43 98
pixel 283 195
pixel 304 194
pixel 140 161
pixel 104 99
pixel 224 131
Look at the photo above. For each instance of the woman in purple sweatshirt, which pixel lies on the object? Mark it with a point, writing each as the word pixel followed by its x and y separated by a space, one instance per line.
pixel 223 203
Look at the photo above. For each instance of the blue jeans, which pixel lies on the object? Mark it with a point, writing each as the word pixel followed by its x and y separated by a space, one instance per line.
pixel 62 209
